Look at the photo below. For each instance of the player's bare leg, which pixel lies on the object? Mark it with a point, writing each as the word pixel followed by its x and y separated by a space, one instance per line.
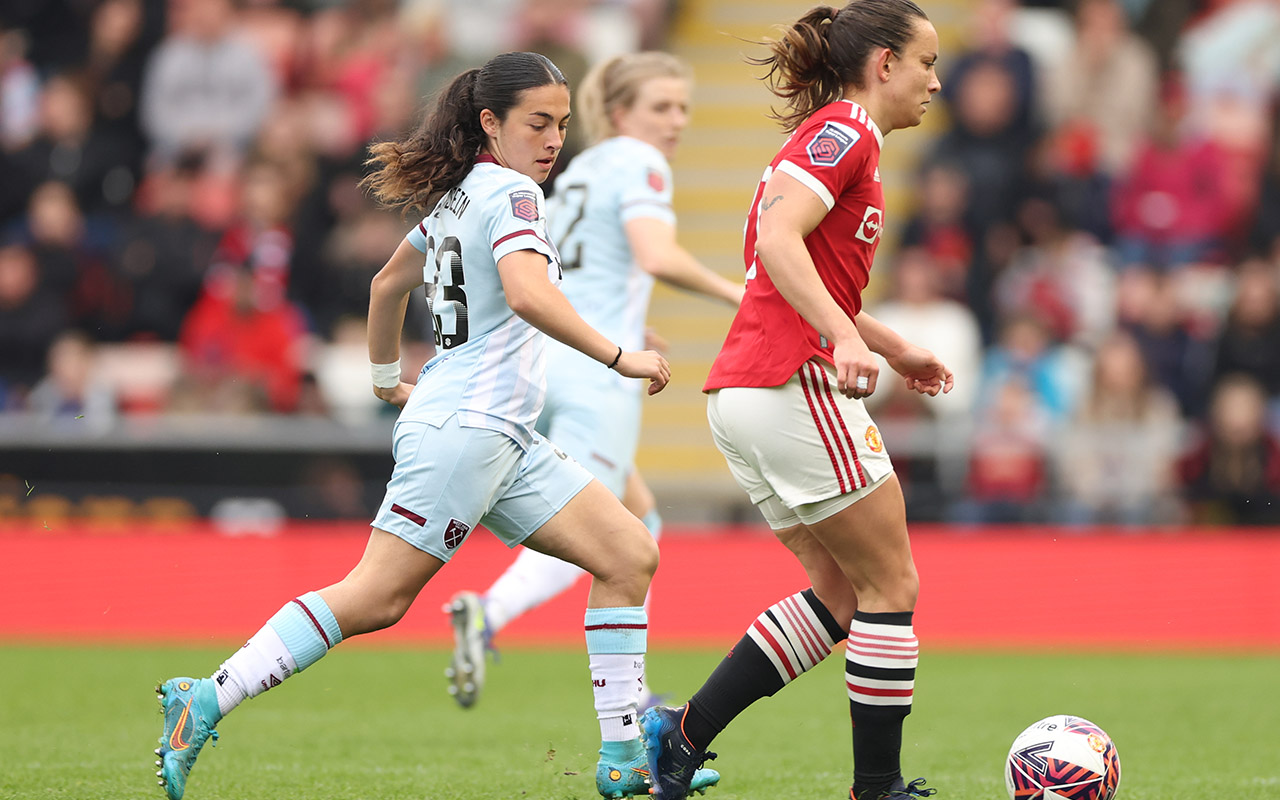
pixel 869 542
pixel 374 595
pixel 532 579
pixel 596 532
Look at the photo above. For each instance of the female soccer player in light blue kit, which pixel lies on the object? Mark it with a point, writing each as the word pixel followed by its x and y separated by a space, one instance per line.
pixel 465 448
pixel 612 219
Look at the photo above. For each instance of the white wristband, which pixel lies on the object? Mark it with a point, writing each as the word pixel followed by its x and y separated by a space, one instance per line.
pixel 386 376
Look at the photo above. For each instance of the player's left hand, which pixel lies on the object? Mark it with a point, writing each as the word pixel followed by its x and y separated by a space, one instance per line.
pixel 396 396
pixel 645 364
pixel 923 371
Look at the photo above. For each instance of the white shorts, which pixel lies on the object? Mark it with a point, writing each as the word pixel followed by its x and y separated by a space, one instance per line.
pixel 802 451
pixel 450 478
pixel 598 423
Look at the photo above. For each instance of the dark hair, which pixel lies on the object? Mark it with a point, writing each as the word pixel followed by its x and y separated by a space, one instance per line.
pixel 416 171
pixel 826 49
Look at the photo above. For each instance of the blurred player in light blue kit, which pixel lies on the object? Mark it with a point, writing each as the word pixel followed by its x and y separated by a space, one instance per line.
pixel 611 218
pixel 465 448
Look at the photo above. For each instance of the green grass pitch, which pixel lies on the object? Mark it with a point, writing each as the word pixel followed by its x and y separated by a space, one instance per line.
pixel 80 723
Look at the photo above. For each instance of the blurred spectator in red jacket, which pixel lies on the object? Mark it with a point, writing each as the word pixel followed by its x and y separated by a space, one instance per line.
pixel 1171 208
pixel 1008 474
pixel 243 348
pixel 260 239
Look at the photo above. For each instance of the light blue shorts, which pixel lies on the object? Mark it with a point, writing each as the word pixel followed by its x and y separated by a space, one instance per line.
pixel 599 425
pixel 450 478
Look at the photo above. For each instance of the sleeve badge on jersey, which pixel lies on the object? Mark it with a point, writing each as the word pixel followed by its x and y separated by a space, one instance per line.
pixel 656 182
pixel 524 205
pixel 830 145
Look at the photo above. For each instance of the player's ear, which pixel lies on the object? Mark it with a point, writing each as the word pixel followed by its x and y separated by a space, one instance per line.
pixel 489 122
pixel 884 64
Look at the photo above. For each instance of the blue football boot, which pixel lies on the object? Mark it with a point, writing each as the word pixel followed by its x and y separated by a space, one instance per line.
pixel 673 762
pixel 190 711
pixel 632 779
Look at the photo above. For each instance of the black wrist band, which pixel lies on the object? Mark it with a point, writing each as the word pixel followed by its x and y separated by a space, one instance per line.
pixel 616 358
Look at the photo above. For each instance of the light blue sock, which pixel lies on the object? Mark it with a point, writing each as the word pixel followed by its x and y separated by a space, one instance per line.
pixel 617 630
pixel 621 752
pixel 308 629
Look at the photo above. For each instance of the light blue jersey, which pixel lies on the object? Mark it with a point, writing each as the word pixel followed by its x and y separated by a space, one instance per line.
pixel 465 448
pixel 591 412
pixel 490 368
pixel 603 188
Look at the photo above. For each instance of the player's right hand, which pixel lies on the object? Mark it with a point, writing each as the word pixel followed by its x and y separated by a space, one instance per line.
pixel 645 364
pixel 396 396
pixel 856 368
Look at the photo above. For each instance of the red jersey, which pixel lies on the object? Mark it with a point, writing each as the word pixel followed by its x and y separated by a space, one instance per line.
pixel 836 154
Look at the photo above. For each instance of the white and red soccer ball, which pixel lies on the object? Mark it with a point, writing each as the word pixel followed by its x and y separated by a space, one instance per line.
pixel 1062 757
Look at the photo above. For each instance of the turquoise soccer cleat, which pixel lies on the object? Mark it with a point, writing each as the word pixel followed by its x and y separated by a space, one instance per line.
pixel 190 711
pixel 632 779
pixel 615 781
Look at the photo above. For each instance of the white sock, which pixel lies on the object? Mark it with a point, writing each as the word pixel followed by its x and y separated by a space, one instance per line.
pixel 261 664
pixel 531 580
pixel 617 680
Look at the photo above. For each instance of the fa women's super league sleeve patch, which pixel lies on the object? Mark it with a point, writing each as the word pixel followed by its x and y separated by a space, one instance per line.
pixel 524 205
pixel 830 144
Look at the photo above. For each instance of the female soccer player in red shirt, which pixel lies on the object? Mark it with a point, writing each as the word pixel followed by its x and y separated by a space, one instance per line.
pixel 785 396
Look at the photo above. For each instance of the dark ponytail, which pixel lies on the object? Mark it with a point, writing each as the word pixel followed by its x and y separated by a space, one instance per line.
pixel 415 172
pixel 813 60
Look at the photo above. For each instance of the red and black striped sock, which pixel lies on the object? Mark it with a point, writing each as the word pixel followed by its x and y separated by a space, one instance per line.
pixel 880 672
pixel 788 639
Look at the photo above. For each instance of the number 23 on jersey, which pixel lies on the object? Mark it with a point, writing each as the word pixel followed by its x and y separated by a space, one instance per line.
pixel 445 292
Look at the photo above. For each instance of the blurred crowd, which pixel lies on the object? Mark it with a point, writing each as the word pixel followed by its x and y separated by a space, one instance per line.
pixel 1094 241
pixel 186 172
pixel 1096 237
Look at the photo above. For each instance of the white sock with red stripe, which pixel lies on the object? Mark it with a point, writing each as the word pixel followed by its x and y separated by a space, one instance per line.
pixel 297 636
pixel 784 642
pixel 880 673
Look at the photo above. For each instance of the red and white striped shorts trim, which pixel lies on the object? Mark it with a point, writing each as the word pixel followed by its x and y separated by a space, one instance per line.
pixel 802 442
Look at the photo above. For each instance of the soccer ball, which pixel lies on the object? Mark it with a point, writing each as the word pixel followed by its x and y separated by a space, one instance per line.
pixel 1062 757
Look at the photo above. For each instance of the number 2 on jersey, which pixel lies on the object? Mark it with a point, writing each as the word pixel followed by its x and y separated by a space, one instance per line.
pixel 448 298
pixel 569 203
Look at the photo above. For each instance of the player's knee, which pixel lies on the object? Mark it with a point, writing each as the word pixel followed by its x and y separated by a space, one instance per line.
pixel 905 589
pixel 638 555
pixel 648 556
pixel 378 613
